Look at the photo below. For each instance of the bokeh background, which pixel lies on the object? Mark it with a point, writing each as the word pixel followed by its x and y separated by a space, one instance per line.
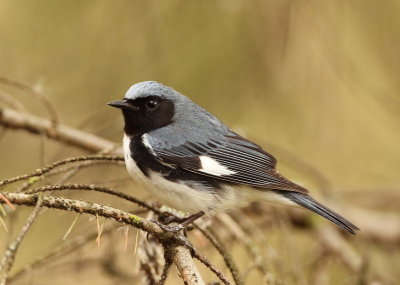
pixel 315 82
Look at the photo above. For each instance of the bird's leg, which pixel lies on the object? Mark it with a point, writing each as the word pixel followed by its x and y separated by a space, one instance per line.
pixel 190 219
pixel 184 222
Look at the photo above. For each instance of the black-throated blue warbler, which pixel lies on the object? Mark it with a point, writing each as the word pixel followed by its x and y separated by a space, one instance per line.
pixel 193 162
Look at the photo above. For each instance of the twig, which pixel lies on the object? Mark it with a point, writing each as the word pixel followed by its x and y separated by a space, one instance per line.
pixel 64 249
pixel 70 136
pixel 212 237
pixel 182 257
pixel 50 167
pixel 91 187
pixel 168 262
pixel 188 270
pixel 150 255
pixel 9 255
pixel 335 243
pixel 12 101
pixel 86 207
pixel 70 171
pixel 43 99
pixel 210 266
pixel 148 274
pixel 236 224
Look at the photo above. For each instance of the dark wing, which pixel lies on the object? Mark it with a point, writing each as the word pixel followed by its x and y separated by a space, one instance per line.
pixel 232 159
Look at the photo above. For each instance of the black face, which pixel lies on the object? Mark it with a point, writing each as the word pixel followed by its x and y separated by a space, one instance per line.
pixel 143 115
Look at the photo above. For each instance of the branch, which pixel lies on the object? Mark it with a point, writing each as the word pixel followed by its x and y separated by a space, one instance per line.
pixel 218 245
pixel 335 243
pixel 50 167
pixel 19 120
pixel 207 263
pixel 176 242
pixel 188 270
pixel 30 90
pixel 12 101
pixel 86 207
pixel 91 187
pixel 9 256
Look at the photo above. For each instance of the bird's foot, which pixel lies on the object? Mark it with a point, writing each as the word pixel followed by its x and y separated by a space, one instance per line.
pixel 183 222
pixel 168 228
pixel 167 218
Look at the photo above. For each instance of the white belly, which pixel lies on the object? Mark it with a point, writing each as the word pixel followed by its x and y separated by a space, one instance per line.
pixel 180 196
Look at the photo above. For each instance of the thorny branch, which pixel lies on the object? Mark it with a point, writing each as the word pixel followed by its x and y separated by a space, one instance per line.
pixel 92 187
pixel 178 244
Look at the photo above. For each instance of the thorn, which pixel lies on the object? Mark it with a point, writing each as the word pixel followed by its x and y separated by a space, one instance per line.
pixel 71 227
pixel 126 237
pixel 7 201
pixel 99 230
pixel 136 242
pixel 3 224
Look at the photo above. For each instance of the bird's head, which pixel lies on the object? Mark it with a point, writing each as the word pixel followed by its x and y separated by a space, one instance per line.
pixel 147 106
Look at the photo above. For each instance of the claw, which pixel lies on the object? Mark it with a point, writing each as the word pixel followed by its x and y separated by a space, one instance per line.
pixel 184 223
pixel 166 228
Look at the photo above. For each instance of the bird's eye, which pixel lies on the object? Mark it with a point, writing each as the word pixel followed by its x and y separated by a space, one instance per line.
pixel 151 105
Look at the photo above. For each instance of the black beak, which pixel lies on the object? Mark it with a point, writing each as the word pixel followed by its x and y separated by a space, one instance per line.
pixel 120 104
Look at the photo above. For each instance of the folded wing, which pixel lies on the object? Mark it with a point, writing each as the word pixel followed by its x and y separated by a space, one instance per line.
pixel 230 158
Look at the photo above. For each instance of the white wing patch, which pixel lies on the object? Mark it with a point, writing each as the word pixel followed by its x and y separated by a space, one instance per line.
pixel 213 167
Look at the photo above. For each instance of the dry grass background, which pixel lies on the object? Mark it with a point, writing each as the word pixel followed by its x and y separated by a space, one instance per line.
pixel 312 81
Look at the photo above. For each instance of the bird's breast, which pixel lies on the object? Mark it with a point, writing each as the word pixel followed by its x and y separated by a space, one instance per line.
pixel 130 163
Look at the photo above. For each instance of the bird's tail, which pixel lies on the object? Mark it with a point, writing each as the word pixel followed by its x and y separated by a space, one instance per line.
pixel 309 203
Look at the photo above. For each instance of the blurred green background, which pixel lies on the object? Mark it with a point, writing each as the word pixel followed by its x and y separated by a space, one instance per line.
pixel 314 80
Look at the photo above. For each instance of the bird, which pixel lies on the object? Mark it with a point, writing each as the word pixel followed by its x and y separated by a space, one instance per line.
pixel 191 161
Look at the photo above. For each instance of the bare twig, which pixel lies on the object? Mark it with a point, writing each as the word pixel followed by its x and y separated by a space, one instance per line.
pixel 188 270
pixel 50 167
pixel 9 256
pixel 69 171
pixel 12 101
pixel 43 99
pixel 150 256
pixel 70 136
pixel 335 243
pixel 210 266
pixel 237 226
pixel 233 268
pixel 145 268
pixel 168 262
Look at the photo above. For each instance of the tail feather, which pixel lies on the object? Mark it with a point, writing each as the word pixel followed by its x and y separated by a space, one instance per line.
pixel 309 203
